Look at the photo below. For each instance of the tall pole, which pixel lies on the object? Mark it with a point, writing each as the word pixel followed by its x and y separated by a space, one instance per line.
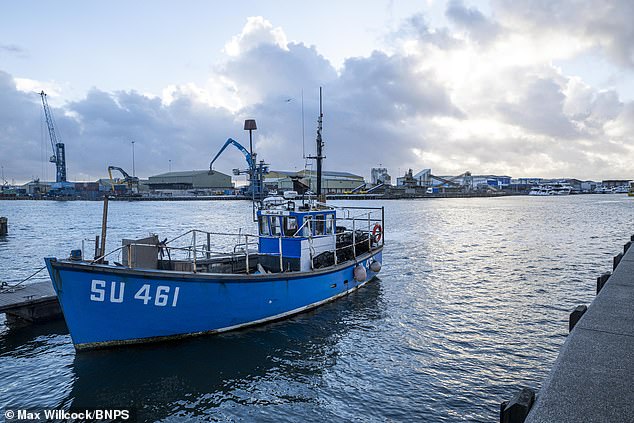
pixel 133 172
pixel 320 145
pixel 252 173
pixel 170 164
pixel 250 125
pixel 104 227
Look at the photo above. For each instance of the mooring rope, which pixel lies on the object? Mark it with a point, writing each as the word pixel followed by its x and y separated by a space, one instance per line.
pixel 5 287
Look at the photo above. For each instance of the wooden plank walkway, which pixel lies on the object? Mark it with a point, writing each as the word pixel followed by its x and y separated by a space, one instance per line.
pixel 31 294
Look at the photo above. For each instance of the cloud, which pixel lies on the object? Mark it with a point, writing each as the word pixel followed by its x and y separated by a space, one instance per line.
pixel 20 118
pixel 269 70
pixel 185 131
pixel 98 131
pixel 472 21
pixel 12 49
pixel 440 99
pixel 606 25
pixel 416 31
pixel 257 31
pixel 539 109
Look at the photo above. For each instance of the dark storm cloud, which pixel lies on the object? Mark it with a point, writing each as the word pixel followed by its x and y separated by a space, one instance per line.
pixel 20 131
pixel 371 103
pixel 101 129
pixel 607 25
pixel 478 26
pixel 185 132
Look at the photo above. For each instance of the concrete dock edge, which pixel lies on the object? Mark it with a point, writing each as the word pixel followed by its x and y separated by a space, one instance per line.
pixel 593 376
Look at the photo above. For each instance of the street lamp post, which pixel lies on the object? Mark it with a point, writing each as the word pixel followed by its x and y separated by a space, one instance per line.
pixel 250 125
pixel 170 164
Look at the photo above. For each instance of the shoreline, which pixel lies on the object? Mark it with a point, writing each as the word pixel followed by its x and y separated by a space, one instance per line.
pixel 244 198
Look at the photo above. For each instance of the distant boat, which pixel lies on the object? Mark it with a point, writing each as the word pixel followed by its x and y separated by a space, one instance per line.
pixel 623 189
pixel 551 189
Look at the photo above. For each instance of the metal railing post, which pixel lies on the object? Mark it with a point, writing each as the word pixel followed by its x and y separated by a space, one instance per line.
pixel 354 239
pixel 382 225
pixel 130 256
pixel 208 245
pixel 369 232
pixel 335 252
pixel 246 252
pixel 194 236
pixel 311 252
pixel 281 258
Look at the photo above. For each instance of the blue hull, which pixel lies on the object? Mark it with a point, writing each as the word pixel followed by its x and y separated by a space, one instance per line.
pixel 105 305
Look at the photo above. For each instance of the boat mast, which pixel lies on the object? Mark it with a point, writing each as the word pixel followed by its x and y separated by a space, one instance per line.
pixel 320 145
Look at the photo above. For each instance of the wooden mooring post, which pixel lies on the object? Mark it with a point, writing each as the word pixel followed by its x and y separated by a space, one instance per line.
pixel 4 226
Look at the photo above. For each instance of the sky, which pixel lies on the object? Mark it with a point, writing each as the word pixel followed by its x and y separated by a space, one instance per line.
pixel 525 88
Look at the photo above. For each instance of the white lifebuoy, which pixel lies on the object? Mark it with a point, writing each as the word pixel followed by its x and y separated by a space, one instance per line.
pixel 377 232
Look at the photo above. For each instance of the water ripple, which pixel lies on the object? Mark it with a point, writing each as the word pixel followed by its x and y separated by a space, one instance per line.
pixel 472 303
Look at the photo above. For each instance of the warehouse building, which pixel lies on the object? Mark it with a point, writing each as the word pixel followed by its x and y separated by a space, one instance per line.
pixel 304 180
pixel 192 181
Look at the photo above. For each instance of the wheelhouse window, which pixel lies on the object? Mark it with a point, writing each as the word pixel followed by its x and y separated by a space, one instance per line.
pixel 307 230
pixel 330 224
pixel 264 225
pixel 320 224
pixel 290 225
pixel 276 228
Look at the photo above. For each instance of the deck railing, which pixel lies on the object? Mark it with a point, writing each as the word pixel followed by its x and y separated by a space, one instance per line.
pixel 245 245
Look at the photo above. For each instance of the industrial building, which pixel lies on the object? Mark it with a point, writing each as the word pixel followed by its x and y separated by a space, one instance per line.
pixel 379 175
pixel 614 183
pixel 304 180
pixel 195 181
pixel 36 187
pixel 466 180
pixel 422 178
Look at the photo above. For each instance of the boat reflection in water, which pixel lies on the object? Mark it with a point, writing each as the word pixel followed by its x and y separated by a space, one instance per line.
pixel 216 376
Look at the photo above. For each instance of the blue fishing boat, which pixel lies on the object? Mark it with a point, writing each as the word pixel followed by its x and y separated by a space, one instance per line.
pixel 305 253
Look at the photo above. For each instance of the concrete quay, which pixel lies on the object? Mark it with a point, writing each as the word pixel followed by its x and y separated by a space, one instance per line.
pixel 592 379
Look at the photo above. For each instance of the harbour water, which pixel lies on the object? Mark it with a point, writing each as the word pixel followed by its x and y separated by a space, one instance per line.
pixel 472 303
